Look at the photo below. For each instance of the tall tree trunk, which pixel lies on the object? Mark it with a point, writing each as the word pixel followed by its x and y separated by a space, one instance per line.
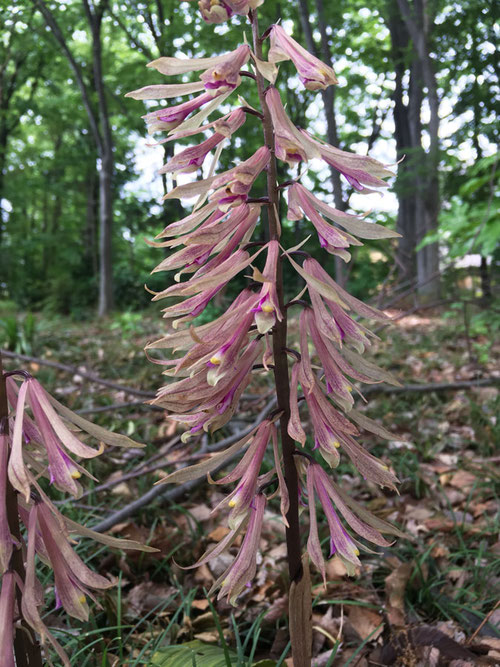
pixel 405 190
pixel 89 235
pixel 3 161
pixel 418 184
pixel 94 17
pixel 418 22
pixel 328 96
pixel 105 233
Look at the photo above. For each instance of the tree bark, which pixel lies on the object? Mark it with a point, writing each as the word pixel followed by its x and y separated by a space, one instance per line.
pixel 94 17
pixel 418 21
pixel 3 160
pixel 90 231
pixel 406 221
pixel 417 185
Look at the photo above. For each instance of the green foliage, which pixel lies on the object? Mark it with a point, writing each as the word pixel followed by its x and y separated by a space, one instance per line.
pixel 18 335
pixel 482 327
pixel 471 222
pixel 193 653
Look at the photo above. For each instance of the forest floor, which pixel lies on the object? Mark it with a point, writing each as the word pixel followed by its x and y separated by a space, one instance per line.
pixel 429 600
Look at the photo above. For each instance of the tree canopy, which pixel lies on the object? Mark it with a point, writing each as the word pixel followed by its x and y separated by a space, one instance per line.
pixel 75 209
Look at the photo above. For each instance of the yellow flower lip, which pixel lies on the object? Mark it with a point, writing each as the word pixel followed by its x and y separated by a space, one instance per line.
pixel 82 599
pixel 215 361
pixel 232 503
pixel 268 308
pixel 336 444
pixel 76 474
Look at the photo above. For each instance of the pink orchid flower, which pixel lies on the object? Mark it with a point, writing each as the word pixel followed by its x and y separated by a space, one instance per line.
pixel 247 471
pixel 198 404
pixel 192 158
pixel 221 75
pixel 313 73
pixel 241 572
pixel 290 144
pixel 215 11
pixel 232 186
pixel 226 75
pixel 171 117
pixel 72 577
pixel 341 542
pixel 222 360
pixel 6 541
pixel 31 598
pixel 56 439
pixel 204 342
pixel 359 170
pixel 268 308
pixel 221 236
pixel 352 223
pixel 330 238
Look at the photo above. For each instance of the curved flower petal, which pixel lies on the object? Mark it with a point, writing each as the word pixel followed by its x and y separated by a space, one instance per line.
pixel 314 74
pixel 18 474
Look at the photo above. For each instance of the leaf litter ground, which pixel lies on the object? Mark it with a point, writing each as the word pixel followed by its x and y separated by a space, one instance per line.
pixel 429 600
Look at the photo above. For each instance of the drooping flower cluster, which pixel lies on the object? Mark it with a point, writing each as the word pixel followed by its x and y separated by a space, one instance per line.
pixel 40 442
pixel 216 360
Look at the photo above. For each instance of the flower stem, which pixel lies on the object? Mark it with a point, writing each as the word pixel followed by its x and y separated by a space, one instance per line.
pixel 279 335
pixel 26 648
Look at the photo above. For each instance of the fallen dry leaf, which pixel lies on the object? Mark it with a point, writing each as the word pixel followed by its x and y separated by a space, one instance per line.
pixel 146 596
pixel 122 489
pixel 463 480
pixel 365 622
pixel 395 586
pixel 202 575
pixel 200 604
pixel 218 533
pixel 335 569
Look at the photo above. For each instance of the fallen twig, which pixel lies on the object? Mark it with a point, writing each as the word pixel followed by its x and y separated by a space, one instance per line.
pixel 118 406
pixel 482 624
pixel 436 386
pixel 76 371
pixel 144 468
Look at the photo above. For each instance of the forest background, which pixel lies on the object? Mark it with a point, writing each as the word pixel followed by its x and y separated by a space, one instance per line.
pixel 79 194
